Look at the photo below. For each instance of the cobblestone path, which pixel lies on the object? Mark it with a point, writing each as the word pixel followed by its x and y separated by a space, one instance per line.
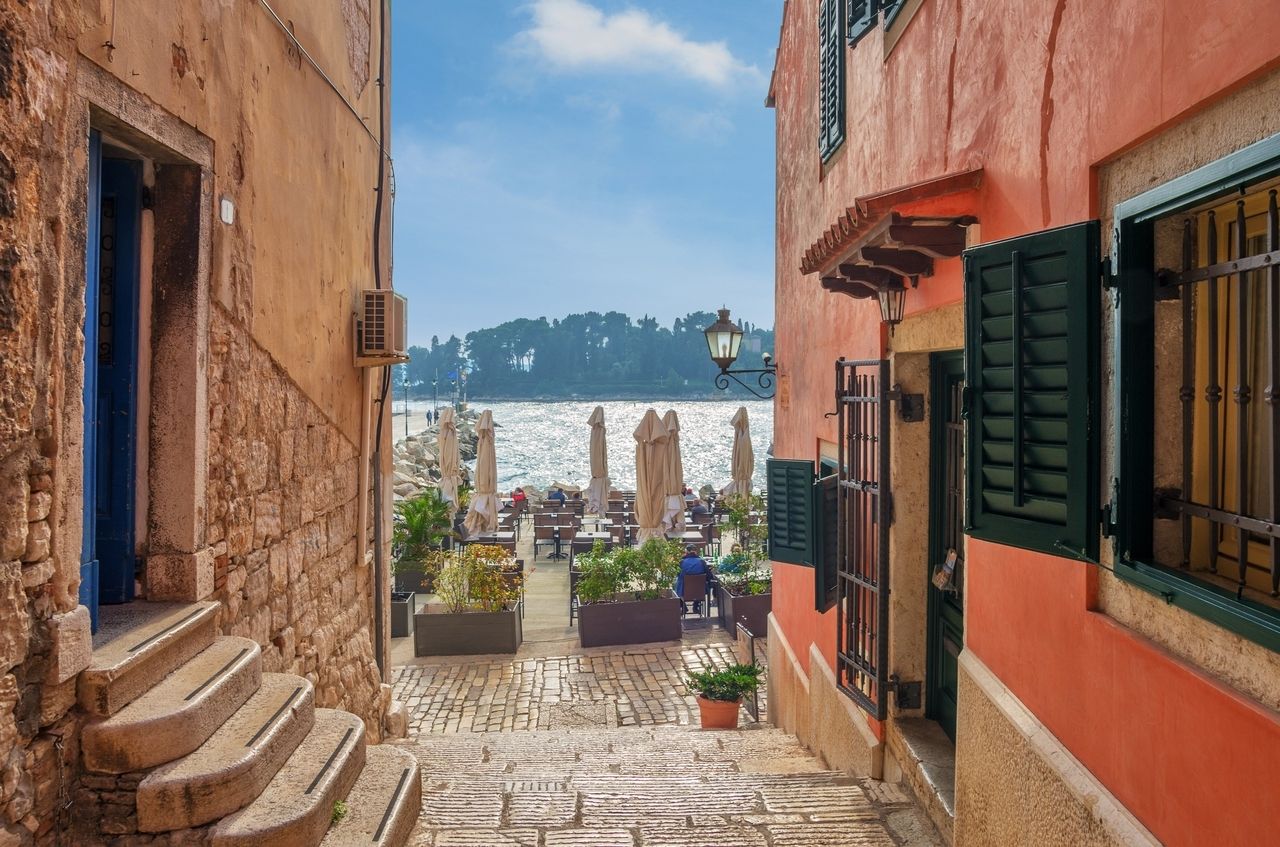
pixel 663 786
pixel 634 686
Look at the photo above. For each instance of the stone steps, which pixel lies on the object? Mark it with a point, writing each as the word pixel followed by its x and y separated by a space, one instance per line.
pixel 296 807
pixel 138 645
pixel 178 715
pixel 233 767
pixel 200 746
pixel 383 805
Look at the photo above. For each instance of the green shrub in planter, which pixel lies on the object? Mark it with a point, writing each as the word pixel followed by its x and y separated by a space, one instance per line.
pixel 730 684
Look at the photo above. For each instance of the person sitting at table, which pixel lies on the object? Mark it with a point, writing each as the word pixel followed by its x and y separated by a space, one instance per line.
pixel 558 496
pixel 733 562
pixel 699 508
pixel 692 564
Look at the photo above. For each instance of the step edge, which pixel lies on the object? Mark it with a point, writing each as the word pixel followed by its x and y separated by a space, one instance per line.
pixel 172 793
pixel 229 674
pixel 310 825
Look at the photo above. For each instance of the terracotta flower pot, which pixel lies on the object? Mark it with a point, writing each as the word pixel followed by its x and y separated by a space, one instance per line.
pixel 719 714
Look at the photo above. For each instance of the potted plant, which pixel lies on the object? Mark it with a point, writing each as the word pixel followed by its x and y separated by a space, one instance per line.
pixel 479 606
pixel 720 693
pixel 625 595
pixel 745 576
pixel 421 523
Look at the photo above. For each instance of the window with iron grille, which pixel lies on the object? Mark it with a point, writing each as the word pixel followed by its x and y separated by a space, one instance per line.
pixel 862 18
pixel 830 77
pixel 863 516
pixel 1198 317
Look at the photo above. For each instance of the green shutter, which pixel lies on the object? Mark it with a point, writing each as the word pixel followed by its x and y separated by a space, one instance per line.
pixel 862 18
pixel 891 9
pixel 830 76
pixel 1031 363
pixel 790 486
pixel 826 508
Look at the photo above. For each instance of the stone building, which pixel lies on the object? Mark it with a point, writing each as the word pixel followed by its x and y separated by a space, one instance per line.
pixel 1025 514
pixel 192 197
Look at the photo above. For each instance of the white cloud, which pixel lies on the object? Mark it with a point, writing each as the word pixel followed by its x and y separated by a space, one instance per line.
pixel 573 34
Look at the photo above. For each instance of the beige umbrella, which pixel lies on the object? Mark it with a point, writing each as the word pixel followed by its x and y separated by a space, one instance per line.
pixel 651 465
pixel 598 488
pixel 483 513
pixel 450 465
pixel 673 502
pixel 744 458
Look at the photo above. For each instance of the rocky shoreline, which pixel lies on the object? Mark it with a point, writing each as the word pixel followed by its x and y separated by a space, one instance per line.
pixel 416 467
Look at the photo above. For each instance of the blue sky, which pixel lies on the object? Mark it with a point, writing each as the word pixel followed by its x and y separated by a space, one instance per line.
pixel 557 156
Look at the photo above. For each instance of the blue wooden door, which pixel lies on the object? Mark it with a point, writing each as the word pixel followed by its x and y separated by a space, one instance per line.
pixel 89 529
pixel 120 209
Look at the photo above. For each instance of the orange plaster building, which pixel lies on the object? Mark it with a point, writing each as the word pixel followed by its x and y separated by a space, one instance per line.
pixel 1025 511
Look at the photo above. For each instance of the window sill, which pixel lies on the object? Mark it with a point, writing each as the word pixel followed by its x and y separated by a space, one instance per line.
pixel 1245 618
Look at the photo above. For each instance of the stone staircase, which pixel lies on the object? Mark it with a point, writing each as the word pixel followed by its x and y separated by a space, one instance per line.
pixel 190 742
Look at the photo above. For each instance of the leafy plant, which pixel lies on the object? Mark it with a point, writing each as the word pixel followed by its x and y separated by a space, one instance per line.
pixel 751 535
pixel 729 684
pixel 340 811
pixel 421 523
pixel 645 573
pixel 479 578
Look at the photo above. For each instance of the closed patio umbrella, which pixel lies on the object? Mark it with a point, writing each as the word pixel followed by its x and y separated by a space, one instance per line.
pixel 598 488
pixel 483 514
pixel 450 464
pixel 743 465
pixel 673 502
pixel 651 466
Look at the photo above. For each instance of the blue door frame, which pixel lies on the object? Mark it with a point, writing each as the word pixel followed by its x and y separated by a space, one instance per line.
pixel 111 298
pixel 89 530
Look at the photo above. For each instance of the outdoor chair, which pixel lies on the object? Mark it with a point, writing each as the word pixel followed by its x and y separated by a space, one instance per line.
pixel 545 534
pixel 695 591
pixel 574 576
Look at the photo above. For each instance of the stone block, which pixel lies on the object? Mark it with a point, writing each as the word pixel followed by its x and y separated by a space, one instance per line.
pixel 14 491
pixel 39 534
pixel 184 576
pixel 267 518
pixel 56 701
pixel 42 482
pixel 70 645
pixel 35 574
pixel 38 505
pixel 15 625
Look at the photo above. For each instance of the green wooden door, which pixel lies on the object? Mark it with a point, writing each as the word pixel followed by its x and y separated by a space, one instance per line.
pixel 946 534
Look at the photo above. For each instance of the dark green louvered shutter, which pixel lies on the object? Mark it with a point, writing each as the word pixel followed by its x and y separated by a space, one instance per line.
pixel 790 486
pixel 826 512
pixel 830 76
pixel 1031 362
pixel 862 18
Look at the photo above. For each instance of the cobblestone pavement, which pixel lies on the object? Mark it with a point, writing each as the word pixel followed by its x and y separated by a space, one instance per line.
pixel 633 686
pixel 669 786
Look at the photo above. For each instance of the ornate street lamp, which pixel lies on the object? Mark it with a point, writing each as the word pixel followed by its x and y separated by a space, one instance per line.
pixel 893 302
pixel 724 339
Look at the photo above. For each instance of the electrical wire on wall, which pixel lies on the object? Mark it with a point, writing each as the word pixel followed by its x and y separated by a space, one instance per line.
pixel 382 180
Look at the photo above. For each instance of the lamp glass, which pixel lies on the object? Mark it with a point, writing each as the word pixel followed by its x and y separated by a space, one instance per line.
pixel 724 338
pixel 893 302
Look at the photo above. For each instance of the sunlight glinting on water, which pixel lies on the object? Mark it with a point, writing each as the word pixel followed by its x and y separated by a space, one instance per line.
pixel 538 442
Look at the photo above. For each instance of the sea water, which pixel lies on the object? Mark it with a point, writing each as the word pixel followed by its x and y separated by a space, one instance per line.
pixel 538 442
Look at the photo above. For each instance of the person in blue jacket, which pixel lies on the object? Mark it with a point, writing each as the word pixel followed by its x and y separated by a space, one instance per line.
pixel 690 565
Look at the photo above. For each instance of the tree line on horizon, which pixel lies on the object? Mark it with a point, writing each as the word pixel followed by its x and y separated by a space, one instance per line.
pixel 594 354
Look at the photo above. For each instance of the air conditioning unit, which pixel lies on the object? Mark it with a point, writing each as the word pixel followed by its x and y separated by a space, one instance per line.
pixel 382 328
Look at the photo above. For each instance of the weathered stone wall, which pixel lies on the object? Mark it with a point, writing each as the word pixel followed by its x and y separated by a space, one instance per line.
pixel 283 512
pixel 285 405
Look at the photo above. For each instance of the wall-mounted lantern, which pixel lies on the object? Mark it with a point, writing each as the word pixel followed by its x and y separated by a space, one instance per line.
pixel 724 339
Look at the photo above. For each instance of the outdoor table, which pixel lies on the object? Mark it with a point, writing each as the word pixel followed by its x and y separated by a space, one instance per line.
pixel 593 536
pixel 694 537
pixel 558 554
pixel 502 539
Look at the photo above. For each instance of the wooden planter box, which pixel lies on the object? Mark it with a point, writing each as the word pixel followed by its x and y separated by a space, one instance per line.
pixel 750 610
pixel 629 622
pixel 403 605
pixel 440 633
pixel 409 578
